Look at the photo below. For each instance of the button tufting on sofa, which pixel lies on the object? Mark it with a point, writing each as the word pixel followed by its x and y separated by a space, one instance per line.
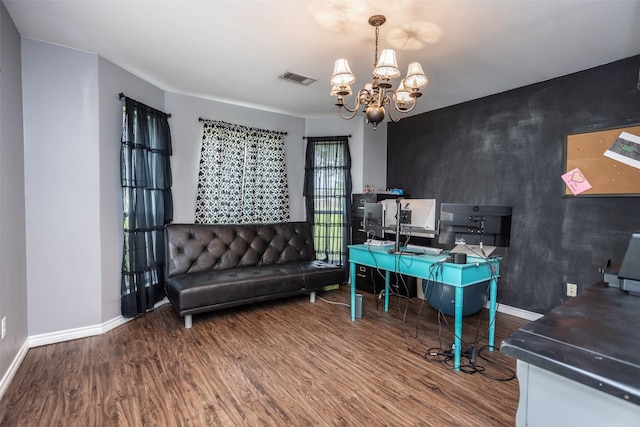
pixel 241 264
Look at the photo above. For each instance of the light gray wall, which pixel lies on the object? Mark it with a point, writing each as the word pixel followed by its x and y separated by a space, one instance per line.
pixel 13 268
pixel 367 148
pixel 374 155
pixel 186 133
pixel 73 122
pixel 62 190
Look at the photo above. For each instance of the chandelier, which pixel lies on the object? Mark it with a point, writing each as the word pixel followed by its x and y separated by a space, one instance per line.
pixel 377 97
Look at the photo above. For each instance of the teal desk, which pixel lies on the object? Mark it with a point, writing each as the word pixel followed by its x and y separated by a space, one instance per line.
pixel 476 270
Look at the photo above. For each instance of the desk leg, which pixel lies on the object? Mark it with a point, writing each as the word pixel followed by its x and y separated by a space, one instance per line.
pixel 387 281
pixel 493 294
pixel 352 279
pixel 458 327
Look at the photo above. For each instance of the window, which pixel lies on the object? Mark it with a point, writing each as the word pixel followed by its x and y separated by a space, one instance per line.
pixel 242 178
pixel 327 194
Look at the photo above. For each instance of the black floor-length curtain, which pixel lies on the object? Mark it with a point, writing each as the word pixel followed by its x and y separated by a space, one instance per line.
pixel 327 192
pixel 148 205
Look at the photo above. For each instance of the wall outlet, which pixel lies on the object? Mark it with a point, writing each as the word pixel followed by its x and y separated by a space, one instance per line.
pixel 4 327
pixel 572 289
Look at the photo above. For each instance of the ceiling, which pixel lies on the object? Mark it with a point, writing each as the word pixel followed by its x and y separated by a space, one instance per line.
pixel 233 51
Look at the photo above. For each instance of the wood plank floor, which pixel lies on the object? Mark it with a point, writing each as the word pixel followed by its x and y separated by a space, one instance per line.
pixel 286 362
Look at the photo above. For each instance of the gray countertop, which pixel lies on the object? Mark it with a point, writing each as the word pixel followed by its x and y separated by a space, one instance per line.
pixel 593 339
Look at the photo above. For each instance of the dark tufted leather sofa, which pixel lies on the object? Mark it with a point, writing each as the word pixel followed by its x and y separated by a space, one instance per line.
pixel 215 266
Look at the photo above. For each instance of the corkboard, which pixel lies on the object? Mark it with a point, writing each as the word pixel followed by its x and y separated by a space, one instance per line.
pixel 607 177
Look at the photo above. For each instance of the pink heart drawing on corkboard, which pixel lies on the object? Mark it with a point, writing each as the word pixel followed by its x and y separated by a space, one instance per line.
pixel 577 176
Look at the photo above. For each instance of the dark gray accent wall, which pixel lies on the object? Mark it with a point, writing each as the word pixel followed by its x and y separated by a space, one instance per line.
pixel 508 149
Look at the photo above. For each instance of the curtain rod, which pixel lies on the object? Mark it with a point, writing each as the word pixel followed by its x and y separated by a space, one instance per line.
pixel 200 119
pixel 122 95
pixel 332 136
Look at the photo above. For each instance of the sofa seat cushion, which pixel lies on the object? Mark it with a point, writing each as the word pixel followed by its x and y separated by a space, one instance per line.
pixel 197 292
pixel 317 274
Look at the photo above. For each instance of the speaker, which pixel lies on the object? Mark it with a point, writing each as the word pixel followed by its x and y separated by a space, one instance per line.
pixel 359 306
pixel 459 258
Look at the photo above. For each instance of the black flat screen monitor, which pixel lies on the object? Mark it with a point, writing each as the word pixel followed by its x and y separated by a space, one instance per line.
pixel 373 220
pixel 474 224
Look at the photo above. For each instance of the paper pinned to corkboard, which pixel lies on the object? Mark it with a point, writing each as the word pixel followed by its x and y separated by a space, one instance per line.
pixel 625 149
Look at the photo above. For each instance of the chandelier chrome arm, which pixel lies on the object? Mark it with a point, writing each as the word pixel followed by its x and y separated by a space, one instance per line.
pixel 363 97
pixel 349 117
pixel 401 106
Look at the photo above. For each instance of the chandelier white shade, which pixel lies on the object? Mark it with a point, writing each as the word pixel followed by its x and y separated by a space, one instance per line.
pixel 416 79
pixel 387 67
pixel 342 75
pixel 378 98
pixel 403 96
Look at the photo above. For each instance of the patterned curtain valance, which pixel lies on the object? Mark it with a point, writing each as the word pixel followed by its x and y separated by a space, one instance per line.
pixel 242 176
pixel 239 128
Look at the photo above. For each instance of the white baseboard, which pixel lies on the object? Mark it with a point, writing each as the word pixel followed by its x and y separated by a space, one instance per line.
pixel 13 368
pixel 517 312
pixel 76 333
pixel 60 336
pixel 83 332
pixel 501 308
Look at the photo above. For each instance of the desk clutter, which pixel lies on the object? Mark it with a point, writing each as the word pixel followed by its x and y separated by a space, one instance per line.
pixel 446 252
pixel 477 275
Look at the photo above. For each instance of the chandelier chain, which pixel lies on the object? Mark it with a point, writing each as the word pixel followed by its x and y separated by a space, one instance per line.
pixel 375 57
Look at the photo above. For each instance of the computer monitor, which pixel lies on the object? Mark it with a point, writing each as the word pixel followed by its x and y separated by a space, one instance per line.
pixel 373 220
pixel 474 224
pixel 417 216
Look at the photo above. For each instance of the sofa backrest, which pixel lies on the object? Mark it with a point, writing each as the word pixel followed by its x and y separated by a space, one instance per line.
pixel 199 247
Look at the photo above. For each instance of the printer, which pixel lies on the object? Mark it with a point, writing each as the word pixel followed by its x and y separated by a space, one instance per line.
pixel 628 277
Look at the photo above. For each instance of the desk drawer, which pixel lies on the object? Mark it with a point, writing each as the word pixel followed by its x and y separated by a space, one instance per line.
pixel 368 279
pixel 360 199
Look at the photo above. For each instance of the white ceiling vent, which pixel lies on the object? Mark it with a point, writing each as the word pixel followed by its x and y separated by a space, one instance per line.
pixel 297 78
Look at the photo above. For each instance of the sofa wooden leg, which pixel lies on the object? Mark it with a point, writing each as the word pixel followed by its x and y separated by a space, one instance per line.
pixel 188 322
pixel 312 297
